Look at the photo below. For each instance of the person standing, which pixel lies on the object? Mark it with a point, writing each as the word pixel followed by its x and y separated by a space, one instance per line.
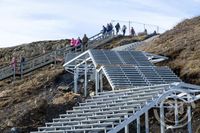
pixel 85 41
pixel 117 27
pixel 124 29
pixel 72 42
pixel 108 28
pixel 145 31
pixel 111 28
pixel 104 30
pixel 22 63
pixel 14 65
pixel 132 32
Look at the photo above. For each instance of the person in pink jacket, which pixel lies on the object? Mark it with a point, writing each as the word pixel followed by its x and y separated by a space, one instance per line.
pixel 72 42
pixel 14 62
pixel 78 42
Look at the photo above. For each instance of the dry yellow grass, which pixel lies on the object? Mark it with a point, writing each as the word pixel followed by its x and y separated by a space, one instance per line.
pixel 182 46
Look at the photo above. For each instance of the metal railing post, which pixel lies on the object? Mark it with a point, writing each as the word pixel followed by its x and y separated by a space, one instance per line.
pixel 189 114
pixel 85 83
pixel 14 73
pixel 21 69
pixel 157 29
pixel 96 82
pixel 138 124
pixel 55 56
pixel 75 79
pixel 162 119
pixel 129 27
pixel 127 126
pixel 147 122
pixel 101 81
pixel 176 112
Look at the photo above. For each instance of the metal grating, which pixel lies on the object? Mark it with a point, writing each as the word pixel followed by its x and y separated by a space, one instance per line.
pixel 151 75
pixel 140 58
pixel 133 76
pixel 103 112
pixel 167 74
pixel 124 77
pixel 107 57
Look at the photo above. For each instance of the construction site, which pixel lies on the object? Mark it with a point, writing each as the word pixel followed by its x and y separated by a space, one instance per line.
pixel 146 83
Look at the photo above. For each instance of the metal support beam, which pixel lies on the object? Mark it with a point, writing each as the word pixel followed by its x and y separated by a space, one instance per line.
pixel 162 119
pixel 85 81
pixel 138 125
pixel 21 70
pixel 189 119
pixel 101 81
pixel 14 73
pixel 96 82
pixel 75 80
pixel 147 122
pixel 176 113
pixel 127 126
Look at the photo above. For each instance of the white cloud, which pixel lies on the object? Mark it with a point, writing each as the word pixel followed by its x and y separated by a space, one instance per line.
pixel 24 21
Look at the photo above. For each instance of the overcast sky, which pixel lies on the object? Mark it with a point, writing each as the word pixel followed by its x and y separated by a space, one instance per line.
pixel 24 21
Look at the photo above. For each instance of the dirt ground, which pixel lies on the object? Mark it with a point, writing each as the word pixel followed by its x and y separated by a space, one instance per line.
pixel 29 103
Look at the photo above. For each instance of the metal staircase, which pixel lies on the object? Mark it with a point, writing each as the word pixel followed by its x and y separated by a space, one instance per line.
pixel 102 113
pixel 113 111
pixel 137 86
pixel 133 46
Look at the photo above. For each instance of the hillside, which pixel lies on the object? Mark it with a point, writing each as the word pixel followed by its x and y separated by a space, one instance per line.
pixel 30 50
pixel 28 103
pixel 182 45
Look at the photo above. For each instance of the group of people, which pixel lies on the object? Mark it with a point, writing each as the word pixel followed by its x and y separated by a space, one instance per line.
pixel 14 63
pixel 108 30
pixel 78 42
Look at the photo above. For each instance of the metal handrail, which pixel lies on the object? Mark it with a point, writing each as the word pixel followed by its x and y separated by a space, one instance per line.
pixel 49 57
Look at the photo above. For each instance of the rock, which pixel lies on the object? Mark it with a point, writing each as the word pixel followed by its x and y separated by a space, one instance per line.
pixel 59 100
pixel 63 88
pixel 41 103
pixel 14 130
pixel 9 123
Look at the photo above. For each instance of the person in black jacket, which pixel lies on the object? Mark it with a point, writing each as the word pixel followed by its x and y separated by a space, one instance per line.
pixel 117 27
pixel 104 30
pixel 22 65
pixel 132 32
pixel 124 29
pixel 85 41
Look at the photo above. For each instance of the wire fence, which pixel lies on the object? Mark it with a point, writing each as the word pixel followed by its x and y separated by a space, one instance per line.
pixel 139 27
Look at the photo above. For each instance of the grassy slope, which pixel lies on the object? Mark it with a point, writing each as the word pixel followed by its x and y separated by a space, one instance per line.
pixel 182 46
pixel 30 50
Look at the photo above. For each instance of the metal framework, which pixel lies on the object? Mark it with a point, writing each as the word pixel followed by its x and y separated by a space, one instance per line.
pixel 132 76
pixel 140 88
pixel 123 69
pixel 113 111
pixel 133 46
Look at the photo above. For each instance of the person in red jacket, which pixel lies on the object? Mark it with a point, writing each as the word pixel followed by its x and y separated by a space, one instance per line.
pixel 14 62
